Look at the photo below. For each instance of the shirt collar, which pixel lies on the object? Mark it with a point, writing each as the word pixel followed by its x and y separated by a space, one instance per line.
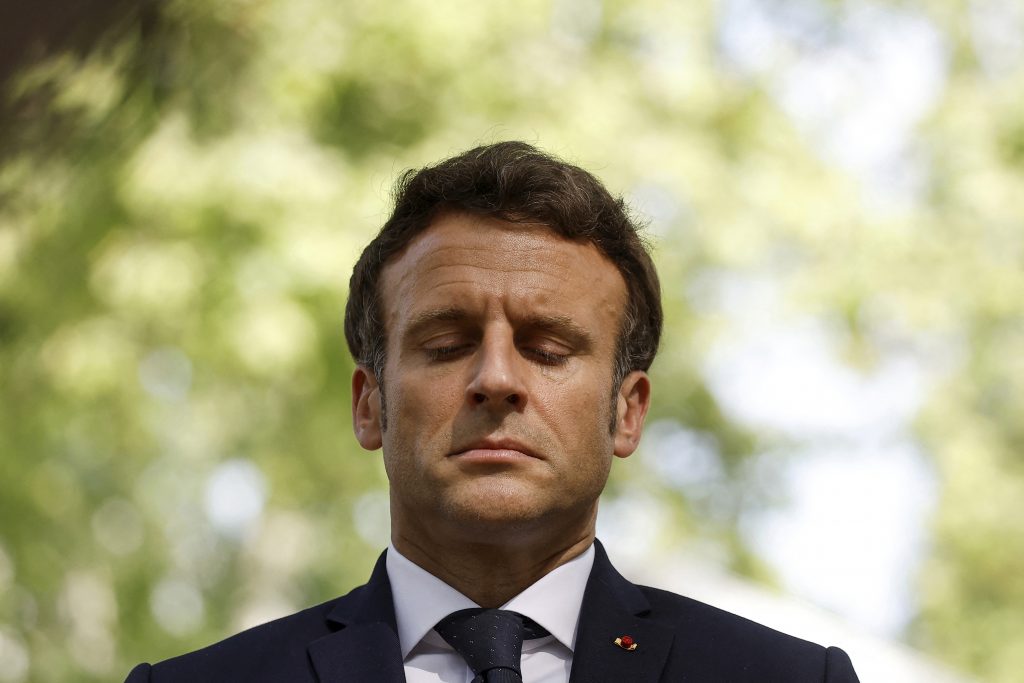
pixel 422 599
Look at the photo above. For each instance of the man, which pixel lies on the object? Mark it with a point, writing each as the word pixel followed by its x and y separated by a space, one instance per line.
pixel 503 322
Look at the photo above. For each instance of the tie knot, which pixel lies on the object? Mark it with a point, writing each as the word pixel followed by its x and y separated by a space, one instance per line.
pixel 490 640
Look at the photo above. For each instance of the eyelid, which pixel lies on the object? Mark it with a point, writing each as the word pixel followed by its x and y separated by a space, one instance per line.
pixel 446 343
pixel 548 357
pixel 441 340
pixel 446 351
pixel 550 349
pixel 446 337
pixel 548 342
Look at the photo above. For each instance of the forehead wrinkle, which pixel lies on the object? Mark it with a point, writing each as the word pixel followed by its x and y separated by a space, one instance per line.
pixel 501 265
pixel 524 246
pixel 428 278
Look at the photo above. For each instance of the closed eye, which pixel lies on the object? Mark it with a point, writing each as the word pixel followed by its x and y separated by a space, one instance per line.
pixel 443 353
pixel 453 351
pixel 547 357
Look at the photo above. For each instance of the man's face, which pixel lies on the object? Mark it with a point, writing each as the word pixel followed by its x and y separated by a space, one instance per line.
pixel 501 341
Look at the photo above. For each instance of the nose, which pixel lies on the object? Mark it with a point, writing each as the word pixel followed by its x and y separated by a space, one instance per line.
pixel 496 380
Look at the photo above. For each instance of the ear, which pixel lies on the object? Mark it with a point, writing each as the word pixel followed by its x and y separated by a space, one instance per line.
pixel 366 408
pixel 633 400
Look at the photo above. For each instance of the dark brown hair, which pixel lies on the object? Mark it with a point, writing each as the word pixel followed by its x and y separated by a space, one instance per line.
pixel 516 182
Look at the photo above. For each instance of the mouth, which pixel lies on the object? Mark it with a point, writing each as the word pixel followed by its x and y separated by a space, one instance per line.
pixel 495 450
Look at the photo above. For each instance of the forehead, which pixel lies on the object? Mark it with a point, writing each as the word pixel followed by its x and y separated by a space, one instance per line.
pixel 495 267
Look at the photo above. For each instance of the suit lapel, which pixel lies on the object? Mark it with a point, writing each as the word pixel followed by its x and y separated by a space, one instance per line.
pixel 614 607
pixel 367 652
pixel 364 643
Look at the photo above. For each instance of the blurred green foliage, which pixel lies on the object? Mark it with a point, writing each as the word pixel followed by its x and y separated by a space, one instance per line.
pixel 183 191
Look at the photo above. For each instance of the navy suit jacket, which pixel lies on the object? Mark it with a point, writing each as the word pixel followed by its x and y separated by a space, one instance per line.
pixel 353 639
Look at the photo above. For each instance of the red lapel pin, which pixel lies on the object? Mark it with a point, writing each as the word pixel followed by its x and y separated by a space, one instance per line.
pixel 626 643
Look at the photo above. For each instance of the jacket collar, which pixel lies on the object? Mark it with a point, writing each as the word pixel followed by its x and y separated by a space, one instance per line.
pixel 364 643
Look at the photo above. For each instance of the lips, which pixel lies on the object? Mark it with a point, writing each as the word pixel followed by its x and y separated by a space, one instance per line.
pixel 496 448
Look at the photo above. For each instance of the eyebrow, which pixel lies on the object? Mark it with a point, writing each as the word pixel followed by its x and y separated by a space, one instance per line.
pixel 425 319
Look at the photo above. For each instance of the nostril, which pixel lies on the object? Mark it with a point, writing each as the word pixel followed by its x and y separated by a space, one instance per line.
pixel 478 397
pixel 512 398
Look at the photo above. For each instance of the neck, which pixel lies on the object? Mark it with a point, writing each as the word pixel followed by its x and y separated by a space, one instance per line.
pixel 490 573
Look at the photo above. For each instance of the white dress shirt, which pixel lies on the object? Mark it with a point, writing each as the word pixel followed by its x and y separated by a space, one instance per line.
pixel 422 600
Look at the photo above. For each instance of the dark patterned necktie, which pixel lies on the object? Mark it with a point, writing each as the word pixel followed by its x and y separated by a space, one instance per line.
pixel 490 640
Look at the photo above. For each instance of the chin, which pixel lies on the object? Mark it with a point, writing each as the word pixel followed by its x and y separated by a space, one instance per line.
pixel 503 514
pixel 498 508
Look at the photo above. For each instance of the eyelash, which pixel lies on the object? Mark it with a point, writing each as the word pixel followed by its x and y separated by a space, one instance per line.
pixel 549 358
pixel 443 353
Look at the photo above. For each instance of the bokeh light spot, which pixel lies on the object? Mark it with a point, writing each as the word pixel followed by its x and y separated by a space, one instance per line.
pixel 235 494
pixel 118 526
pixel 14 658
pixel 178 606
pixel 166 374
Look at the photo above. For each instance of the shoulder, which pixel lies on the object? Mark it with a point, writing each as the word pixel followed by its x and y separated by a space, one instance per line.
pixel 734 647
pixel 274 651
pixel 686 613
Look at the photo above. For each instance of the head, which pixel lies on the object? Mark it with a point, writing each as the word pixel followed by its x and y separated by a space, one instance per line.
pixel 505 301
pixel 514 182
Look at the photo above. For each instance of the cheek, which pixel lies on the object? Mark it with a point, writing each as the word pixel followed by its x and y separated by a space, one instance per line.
pixel 418 410
pixel 580 416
